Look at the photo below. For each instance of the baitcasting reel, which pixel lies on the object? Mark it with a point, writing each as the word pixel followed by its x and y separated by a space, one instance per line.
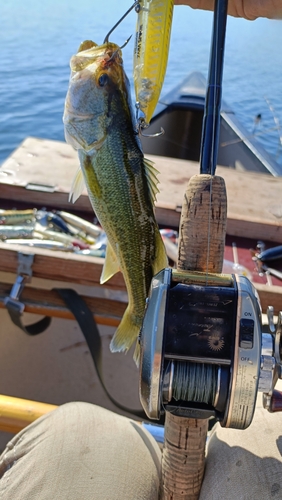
pixel 203 352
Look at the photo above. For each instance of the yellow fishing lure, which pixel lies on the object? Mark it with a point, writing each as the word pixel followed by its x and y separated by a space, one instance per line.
pixel 151 52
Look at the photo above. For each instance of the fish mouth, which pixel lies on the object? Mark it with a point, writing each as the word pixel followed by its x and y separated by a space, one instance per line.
pixel 112 56
pixel 103 55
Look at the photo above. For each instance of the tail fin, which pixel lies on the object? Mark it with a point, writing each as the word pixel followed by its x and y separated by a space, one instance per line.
pixel 126 334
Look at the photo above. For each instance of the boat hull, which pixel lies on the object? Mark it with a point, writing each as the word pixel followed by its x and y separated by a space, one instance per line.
pixel 180 113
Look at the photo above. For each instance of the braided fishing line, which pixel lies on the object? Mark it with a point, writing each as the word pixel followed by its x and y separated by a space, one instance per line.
pixel 209 231
pixel 194 382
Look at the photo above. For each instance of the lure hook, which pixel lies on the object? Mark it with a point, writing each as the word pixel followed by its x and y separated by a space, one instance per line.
pixel 141 124
pixel 119 21
pixel 116 51
pixel 126 42
pixel 157 134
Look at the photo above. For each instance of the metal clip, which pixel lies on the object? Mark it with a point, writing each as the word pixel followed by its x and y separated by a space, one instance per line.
pixel 25 261
pixel 24 274
pixel 16 308
pixel 270 319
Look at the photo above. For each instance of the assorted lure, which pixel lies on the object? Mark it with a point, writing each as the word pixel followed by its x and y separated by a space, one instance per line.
pixel 274 253
pixel 151 53
pixel 122 185
pixel 10 217
pixel 262 257
pixel 55 231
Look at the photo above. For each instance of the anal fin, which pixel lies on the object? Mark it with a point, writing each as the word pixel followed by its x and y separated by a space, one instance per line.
pixel 111 265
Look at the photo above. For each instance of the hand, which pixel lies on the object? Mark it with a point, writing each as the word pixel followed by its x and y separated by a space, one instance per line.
pixel 248 9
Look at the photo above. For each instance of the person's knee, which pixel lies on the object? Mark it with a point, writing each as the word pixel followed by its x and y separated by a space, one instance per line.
pixel 83 447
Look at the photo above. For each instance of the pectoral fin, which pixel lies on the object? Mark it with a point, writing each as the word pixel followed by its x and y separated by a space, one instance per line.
pixel 77 187
pixel 111 265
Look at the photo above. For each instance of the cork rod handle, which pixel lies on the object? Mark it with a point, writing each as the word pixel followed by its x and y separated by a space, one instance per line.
pixel 201 248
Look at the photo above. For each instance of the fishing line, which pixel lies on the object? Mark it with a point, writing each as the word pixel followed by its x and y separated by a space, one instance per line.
pixel 256 134
pixel 277 123
pixel 209 232
pixel 195 382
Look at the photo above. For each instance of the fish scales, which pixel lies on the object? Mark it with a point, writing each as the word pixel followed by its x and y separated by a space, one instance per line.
pixel 123 194
pixel 121 185
pixel 126 234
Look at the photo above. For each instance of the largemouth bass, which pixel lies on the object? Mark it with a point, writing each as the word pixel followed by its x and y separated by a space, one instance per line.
pixel 121 184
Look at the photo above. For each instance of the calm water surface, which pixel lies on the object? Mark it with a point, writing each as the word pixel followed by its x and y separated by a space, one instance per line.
pixel 38 38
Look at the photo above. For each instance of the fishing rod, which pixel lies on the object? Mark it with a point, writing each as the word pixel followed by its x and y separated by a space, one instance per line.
pixel 202 347
pixel 211 122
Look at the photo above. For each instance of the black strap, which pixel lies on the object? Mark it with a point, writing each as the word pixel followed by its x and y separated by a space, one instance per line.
pixel 89 328
pixel 15 310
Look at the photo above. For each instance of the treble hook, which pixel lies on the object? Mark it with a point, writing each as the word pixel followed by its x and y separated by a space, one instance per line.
pixel 126 42
pixel 116 51
pixel 157 134
pixel 141 124
pixel 120 20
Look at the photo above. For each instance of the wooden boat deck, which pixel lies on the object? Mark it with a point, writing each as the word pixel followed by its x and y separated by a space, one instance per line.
pixel 39 174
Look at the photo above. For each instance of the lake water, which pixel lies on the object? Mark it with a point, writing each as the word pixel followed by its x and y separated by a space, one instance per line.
pixel 37 40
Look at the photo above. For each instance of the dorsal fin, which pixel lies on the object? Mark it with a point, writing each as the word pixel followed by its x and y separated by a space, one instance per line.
pixel 77 186
pixel 151 174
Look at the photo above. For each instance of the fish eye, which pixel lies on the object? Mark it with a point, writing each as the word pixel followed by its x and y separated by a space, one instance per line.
pixel 103 79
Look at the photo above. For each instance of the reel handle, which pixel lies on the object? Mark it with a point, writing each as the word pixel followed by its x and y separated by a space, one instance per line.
pixel 275 402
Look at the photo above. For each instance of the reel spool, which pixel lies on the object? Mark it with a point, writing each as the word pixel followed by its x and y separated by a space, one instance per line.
pixel 203 353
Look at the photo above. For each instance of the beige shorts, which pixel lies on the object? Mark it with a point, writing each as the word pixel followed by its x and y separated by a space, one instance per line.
pixel 83 452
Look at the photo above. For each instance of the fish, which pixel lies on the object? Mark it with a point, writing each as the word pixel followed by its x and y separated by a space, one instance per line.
pixel 151 49
pixel 171 249
pixel 122 185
